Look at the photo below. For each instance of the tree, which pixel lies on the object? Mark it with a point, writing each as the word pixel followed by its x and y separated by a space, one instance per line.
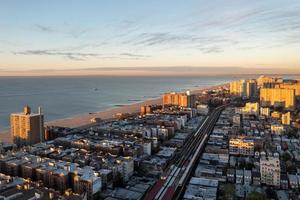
pixel 291 132
pixel 256 196
pixel 271 194
pixel 229 192
pixel 286 156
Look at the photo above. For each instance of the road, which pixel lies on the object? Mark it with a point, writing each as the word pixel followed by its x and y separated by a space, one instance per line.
pixel 172 185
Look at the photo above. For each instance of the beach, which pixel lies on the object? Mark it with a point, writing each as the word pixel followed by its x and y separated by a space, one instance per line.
pixel 85 119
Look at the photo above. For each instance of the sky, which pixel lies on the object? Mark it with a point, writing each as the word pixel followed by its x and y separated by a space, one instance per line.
pixel 79 34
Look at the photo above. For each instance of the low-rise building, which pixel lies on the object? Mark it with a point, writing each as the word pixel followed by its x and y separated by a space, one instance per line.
pixel 231 175
pixel 241 146
pixel 239 176
pixel 247 177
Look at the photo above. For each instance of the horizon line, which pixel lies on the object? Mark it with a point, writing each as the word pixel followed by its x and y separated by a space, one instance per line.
pixel 152 71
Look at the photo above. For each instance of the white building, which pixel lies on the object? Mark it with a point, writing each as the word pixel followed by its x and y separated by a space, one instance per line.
pixel 270 170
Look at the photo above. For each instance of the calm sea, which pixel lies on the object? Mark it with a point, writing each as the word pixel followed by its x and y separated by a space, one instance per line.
pixel 62 97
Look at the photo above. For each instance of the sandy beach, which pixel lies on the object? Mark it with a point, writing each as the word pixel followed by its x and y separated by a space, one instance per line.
pixel 85 119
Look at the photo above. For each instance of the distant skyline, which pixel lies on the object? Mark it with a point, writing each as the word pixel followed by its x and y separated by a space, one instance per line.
pixel 70 35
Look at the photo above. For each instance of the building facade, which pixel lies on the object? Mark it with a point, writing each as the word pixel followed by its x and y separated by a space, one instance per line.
pixel 241 146
pixel 270 171
pixel 277 96
pixel 27 128
pixel 186 100
pixel 244 88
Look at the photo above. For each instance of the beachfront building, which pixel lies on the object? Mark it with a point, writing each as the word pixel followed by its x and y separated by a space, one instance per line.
pixel 295 86
pixel 277 97
pixel 244 88
pixel 27 128
pixel 267 82
pixel 186 100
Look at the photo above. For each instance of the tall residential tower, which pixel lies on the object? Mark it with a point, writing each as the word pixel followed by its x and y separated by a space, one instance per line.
pixel 27 128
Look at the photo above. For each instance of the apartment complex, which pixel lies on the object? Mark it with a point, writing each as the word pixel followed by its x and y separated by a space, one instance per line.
pixel 244 88
pixel 277 96
pixel 179 99
pixel 270 170
pixel 27 128
pixel 295 87
pixel 267 82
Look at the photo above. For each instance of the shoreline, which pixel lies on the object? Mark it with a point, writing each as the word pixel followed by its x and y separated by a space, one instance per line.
pixel 85 118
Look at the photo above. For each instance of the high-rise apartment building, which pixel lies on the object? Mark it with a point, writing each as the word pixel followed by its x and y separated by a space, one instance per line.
pixel 294 86
pixel 179 99
pixel 265 81
pixel 251 88
pixel 270 170
pixel 27 128
pixel 244 88
pixel 277 96
pixel 237 87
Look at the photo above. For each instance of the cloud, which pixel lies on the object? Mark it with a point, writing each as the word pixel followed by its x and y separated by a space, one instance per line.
pixel 44 28
pixel 131 55
pixel 78 56
pixel 209 50
pixel 206 44
pixel 74 32
pixel 75 56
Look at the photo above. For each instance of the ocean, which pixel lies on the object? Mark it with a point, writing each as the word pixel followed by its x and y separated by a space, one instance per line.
pixel 62 97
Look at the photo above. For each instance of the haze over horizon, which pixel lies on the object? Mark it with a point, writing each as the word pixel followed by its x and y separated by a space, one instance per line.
pixel 152 71
pixel 79 35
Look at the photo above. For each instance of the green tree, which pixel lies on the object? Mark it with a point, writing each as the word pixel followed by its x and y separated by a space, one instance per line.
pixel 256 196
pixel 229 192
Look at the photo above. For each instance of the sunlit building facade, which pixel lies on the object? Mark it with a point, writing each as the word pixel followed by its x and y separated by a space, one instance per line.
pixel 27 128
pixel 241 146
pixel 251 108
pixel 179 99
pixel 292 86
pixel 277 96
pixel 286 118
pixel 244 88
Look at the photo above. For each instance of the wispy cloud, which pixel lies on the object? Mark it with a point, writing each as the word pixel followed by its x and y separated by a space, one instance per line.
pixel 44 28
pixel 205 44
pixel 74 32
pixel 78 56
pixel 133 55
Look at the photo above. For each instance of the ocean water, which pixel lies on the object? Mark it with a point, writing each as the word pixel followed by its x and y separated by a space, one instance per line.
pixel 62 97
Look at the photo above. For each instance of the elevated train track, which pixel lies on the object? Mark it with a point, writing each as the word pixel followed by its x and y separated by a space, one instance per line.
pixel 172 185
